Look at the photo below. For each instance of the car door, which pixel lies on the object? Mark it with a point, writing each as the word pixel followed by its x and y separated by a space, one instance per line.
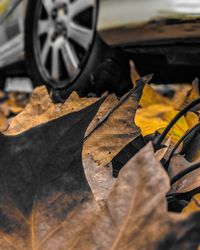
pixel 11 30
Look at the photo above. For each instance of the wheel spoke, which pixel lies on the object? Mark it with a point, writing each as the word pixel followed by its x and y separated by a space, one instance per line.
pixel 80 5
pixel 43 27
pixel 81 35
pixel 55 62
pixel 45 50
pixel 48 5
pixel 60 36
pixel 70 58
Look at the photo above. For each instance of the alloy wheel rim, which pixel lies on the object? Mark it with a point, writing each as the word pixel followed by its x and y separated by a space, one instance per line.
pixel 64 36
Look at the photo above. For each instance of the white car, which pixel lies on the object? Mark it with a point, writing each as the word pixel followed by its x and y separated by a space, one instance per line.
pixel 65 43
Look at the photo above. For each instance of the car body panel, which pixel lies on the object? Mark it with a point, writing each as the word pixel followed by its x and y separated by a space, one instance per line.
pixel 12 14
pixel 137 21
pixel 119 23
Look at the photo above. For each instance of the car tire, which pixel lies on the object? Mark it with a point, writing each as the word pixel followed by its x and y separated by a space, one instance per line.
pixel 98 70
pixel 80 55
pixel 2 80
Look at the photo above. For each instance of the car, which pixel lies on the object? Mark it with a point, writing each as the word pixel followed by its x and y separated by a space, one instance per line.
pixel 80 44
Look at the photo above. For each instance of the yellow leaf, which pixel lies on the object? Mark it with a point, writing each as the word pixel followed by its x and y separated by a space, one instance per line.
pixel 191 119
pixel 156 117
pixel 151 96
pixel 180 96
pixel 179 128
pixel 193 206
pixel 150 118
pixel 3 6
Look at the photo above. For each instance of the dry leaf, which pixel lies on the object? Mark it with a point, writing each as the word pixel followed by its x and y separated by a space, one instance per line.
pixel 41 109
pixel 151 96
pixel 192 153
pixel 165 151
pixel 156 117
pixel 117 132
pixel 192 119
pixel 150 119
pixel 43 182
pixel 100 178
pixel 3 122
pixel 185 94
pixel 65 215
pixel 193 206
pixel 110 102
pixel 180 97
pixel 106 141
pixel 134 73
pixel 179 129
pixel 187 183
pixel 125 223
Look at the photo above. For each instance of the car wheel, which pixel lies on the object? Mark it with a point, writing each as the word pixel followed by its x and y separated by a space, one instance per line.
pixel 60 36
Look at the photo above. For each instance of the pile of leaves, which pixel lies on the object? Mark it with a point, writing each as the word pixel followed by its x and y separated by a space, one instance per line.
pixel 86 174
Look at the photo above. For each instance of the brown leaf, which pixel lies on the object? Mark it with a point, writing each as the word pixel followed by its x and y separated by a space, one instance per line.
pixel 123 222
pixel 114 134
pixel 74 220
pixel 100 178
pixel 193 151
pixel 3 122
pixel 185 94
pixel 163 152
pixel 187 183
pixel 134 73
pixel 180 97
pixel 111 131
pixel 41 109
pixel 110 102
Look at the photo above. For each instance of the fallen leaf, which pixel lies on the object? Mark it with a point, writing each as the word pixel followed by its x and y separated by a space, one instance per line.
pixel 180 97
pixel 42 183
pixel 165 151
pixel 110 132
pixel 189 182
pixel 150 119
pixel 192 119
pixel 41 109
pixel 179 129
pixel 3 122
pixel 120 160
pixel 134 73
pixel 50 206
pixel 4 109
pixel 100 178
pixel 194 205
pixel 156 117
pixel 151 96
pixel 185 94
pixel 118 130
pixel 192 152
